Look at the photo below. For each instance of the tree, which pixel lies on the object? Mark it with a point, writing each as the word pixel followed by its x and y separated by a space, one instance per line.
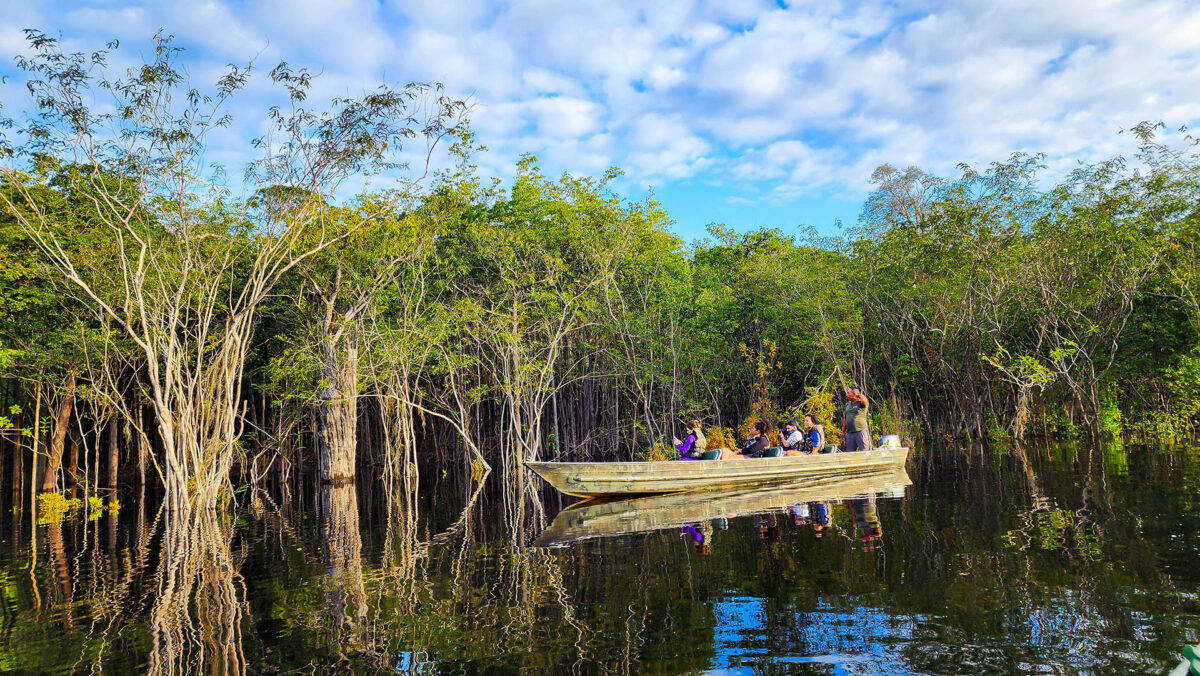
pixel 192 264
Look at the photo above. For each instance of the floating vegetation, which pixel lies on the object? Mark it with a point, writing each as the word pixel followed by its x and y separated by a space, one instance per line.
pixel 95 507
pixel 54 507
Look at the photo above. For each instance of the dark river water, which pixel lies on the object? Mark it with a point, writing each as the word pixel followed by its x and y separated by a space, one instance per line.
pixel 1077 560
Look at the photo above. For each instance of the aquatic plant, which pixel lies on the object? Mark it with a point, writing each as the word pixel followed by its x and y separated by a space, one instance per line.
pixel 54 507
pixel 95 507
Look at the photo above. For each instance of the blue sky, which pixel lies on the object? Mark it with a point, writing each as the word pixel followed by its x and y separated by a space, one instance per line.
pixel 749 113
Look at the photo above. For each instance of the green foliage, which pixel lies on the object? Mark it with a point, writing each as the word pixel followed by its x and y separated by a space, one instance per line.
pixel 95 507
pixel 659 452
pixel 984 302
pixel 1183 387
pixel 1111 418
pixel 54 507
pixel 1060 426
pixel 997 435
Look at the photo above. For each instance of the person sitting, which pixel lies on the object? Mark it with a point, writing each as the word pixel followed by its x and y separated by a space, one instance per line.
pixel 792 440
pixel 753 448
pixel 812 440
pixel 814 434
pixel 694 445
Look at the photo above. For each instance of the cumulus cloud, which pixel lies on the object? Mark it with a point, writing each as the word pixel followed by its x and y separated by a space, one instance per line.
pixel 781 99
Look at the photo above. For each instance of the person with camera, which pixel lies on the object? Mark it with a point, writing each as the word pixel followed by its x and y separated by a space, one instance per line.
pixel 812 440
pixel 791 439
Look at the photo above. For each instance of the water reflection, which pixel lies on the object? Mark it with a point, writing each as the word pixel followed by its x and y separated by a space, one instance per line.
pixel 609 518
pixel 1048 563
pixel 196 619
pixel 866 521
pixel 341 545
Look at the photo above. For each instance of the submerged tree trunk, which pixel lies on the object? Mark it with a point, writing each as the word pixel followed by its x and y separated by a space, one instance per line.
pixel 112 453
pixel 337 415
pixel 61 419
pixel 73 464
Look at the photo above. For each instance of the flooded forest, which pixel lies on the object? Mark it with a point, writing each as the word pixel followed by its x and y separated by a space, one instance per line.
pixel 275 417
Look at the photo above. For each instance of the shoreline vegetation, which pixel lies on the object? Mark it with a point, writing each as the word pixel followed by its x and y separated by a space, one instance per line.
pixel 163 323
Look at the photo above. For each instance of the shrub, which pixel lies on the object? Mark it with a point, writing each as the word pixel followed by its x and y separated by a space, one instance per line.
pixel 720 437
pixel 659 452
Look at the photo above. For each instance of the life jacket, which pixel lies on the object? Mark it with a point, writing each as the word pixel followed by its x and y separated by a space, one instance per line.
pixel 701 443
pixel 820 430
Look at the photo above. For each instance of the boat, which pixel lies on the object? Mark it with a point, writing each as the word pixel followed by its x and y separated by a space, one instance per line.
pixel 600 517
pixel 592 479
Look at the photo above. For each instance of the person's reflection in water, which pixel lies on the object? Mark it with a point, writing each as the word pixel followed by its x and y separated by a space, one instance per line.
pixel 701 534
pixel 820 517
pixel 768 528
pixel 799 512
pixel 866 521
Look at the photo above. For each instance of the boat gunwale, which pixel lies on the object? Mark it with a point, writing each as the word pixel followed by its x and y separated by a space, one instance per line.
pixel 891 450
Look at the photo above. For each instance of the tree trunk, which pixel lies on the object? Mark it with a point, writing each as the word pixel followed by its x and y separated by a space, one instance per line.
pixel 73 463
pixel 112 453
pixel 62 419
pixel 18 475
pixel 141 446
pixel 337 415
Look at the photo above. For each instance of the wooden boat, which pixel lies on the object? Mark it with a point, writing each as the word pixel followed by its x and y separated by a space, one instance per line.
pixel 591 479
pixel 606 518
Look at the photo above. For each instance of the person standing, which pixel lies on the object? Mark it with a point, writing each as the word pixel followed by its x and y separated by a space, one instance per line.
pixel 856 422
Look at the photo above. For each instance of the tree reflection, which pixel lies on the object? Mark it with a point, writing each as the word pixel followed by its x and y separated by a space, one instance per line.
pixel 341 543
pixel 196 620
pixel 968 573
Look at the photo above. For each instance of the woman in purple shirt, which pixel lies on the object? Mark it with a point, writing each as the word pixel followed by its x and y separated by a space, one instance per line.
pixel 694 445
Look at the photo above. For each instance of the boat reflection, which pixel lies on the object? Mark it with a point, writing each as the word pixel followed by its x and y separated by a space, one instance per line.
pixel 598 518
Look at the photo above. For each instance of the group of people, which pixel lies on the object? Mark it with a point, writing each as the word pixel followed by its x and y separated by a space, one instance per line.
pixel 796 439
pixel 817 514
pixel 864 511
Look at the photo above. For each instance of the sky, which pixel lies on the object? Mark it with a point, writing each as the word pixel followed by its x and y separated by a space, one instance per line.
pixel 754 114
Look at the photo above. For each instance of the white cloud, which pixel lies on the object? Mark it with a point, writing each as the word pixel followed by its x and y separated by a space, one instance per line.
pixel 562 117
pixel 810 96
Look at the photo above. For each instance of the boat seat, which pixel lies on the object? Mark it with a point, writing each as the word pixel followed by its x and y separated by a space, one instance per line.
pixel 773 452
pixel 829 448
pixel 711 455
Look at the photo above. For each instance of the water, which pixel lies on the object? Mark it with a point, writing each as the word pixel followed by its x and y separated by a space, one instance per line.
pixel 1078 561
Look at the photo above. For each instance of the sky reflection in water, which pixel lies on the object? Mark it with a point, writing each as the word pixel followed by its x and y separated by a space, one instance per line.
pixel 1081 561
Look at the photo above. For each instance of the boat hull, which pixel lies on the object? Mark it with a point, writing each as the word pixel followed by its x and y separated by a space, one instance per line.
pixel 607 518
pixel 592 479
